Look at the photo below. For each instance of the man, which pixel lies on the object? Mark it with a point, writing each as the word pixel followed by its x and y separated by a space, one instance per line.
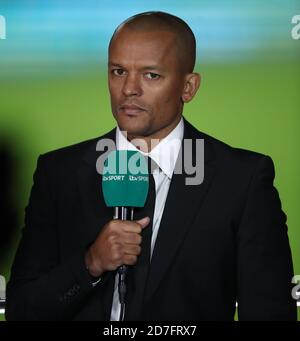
pixel 213 244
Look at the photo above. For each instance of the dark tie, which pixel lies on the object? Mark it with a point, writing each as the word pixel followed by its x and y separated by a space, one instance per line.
pixel 138 274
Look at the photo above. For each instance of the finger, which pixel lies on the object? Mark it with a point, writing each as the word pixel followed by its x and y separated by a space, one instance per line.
pixel 143 222
pixel 130 259
pixel 130 249
pixel 135 226
pixel 131 227
pixel 132 238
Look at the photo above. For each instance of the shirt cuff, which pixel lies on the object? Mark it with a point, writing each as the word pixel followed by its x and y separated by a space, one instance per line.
pixel 95 282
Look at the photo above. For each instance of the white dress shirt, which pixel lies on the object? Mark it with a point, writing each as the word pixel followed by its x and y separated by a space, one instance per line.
pixel 165 154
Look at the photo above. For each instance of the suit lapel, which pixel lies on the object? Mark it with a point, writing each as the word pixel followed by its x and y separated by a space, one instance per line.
pixel 89 182
pixel 182 204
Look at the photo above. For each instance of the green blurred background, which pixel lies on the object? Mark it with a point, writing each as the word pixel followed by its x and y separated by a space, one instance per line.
pixel 53 88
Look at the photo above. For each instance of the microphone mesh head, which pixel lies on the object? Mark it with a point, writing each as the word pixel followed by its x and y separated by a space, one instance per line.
pixel 125 179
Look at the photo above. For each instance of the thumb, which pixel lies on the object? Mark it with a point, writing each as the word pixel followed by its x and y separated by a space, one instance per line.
pixel 143 222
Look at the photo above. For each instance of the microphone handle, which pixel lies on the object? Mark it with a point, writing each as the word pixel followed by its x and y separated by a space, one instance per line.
pixel 122 213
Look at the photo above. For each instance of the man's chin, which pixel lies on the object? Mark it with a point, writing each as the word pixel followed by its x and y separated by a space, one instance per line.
pixel 134 133
pixel 133 128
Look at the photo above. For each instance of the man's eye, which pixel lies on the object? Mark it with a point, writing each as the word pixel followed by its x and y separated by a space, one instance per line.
pixel 151 75
pixel 118 72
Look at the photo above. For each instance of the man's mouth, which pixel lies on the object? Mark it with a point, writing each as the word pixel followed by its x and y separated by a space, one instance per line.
pixel 131 109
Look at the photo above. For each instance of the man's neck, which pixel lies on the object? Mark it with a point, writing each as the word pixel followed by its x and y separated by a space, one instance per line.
pixel 147 143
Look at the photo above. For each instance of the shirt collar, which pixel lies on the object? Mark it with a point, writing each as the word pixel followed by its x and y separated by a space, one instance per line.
pixel 165 153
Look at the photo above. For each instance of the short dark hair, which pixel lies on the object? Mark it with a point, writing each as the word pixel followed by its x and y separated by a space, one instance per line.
pixel 185 37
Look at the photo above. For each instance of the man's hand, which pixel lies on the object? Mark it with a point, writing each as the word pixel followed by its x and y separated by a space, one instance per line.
pixel 118 243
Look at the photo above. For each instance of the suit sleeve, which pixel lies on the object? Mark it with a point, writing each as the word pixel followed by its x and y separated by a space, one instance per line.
pixel 264 259
pixel 41 287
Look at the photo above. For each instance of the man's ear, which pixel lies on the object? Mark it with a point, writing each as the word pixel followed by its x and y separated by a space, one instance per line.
pixel 191 86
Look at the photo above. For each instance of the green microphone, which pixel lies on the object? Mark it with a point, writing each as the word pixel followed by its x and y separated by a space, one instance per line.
pixel 125 184
pixel 125 180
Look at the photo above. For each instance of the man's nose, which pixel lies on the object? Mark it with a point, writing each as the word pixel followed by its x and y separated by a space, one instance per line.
pixel 132 86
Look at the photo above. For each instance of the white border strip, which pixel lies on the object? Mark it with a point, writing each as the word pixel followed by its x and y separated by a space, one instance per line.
pixel 2 311
pixel 298 304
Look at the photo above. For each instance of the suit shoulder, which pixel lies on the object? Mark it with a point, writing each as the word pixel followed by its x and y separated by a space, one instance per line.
pixel 241 164
pixel 238 162
pixel 221 150
pixel 74 152
pixel 234 154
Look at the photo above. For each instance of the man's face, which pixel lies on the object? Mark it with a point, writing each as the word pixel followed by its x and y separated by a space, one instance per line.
pixel 145 82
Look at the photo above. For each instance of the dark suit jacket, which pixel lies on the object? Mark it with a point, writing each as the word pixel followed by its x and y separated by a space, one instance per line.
pixel 219 242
